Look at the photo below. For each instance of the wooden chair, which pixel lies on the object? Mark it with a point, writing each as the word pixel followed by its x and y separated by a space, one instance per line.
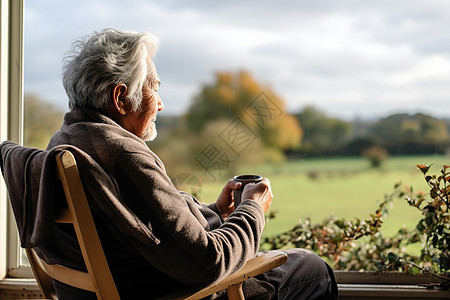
pixel 98 277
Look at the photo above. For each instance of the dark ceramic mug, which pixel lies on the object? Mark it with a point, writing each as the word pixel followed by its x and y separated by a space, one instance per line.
pixel 244 179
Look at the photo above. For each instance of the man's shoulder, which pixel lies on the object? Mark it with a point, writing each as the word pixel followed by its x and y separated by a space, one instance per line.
pixel 127 147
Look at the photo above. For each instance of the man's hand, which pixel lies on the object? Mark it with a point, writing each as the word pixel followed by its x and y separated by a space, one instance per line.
pixel 225 202
pixel 260 192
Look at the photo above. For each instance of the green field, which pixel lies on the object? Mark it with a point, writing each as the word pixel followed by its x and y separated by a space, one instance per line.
pixel 344 187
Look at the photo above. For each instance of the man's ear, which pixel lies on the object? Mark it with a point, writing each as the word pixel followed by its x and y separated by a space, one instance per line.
pixel 119 95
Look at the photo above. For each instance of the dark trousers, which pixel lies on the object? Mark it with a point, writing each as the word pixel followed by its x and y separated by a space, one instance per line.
pixel 304 276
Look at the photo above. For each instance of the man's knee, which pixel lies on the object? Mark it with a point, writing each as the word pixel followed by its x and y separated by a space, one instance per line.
pixel 304 276
pixel 307 268
pixel 306 262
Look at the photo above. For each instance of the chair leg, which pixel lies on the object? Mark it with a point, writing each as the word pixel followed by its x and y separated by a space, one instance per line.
pixel 235 292
pixel 43 280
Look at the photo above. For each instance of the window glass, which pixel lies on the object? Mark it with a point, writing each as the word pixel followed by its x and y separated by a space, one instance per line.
pixel 334 101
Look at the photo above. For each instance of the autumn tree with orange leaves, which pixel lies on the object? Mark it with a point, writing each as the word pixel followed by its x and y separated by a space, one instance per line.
pixel 237 99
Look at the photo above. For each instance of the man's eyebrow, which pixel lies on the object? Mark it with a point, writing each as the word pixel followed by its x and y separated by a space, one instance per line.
pixel 155 83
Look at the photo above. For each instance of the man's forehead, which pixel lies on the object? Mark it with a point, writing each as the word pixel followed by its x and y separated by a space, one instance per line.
pixel 153 74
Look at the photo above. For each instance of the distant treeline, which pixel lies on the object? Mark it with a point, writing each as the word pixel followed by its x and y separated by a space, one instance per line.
pixel 399 134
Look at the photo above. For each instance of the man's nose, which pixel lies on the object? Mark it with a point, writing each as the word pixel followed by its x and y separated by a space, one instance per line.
pixel 160 104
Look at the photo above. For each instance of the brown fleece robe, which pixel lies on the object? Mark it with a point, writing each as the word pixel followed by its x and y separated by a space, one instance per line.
pixel 177 240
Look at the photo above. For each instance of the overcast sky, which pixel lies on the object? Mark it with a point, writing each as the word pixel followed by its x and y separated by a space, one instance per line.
pixel 348 58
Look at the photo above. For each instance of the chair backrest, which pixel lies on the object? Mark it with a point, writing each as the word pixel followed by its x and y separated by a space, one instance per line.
pixel 98 277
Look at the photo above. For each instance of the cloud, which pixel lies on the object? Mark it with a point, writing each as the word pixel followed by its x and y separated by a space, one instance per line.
pixel 350 58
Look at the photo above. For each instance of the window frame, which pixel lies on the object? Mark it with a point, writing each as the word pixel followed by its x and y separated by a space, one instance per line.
pixel 11 125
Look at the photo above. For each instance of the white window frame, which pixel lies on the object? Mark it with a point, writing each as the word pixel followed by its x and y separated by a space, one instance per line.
pixel 11 122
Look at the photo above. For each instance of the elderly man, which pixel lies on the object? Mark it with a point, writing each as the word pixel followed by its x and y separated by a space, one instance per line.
pixel 112 86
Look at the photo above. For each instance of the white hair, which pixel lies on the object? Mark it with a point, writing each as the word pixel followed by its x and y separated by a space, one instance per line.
pixel 107 58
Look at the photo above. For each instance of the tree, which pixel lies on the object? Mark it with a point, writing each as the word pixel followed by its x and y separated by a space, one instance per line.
pixel 237 97
pixel 376 155
pixel 41 120
pixel 408 134
pixel 321 133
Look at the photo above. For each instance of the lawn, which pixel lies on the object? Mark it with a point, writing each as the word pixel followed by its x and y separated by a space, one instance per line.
pixel 344 187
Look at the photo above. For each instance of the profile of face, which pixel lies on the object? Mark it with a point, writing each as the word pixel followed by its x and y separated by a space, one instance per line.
pixel 141 122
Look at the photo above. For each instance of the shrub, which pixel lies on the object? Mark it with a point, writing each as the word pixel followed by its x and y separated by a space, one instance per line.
pixel 335 239
pixel 376 154
pixel 434 224
pixel 359 244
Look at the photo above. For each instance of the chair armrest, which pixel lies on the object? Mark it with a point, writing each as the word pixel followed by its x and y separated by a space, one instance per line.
pixel 255 266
